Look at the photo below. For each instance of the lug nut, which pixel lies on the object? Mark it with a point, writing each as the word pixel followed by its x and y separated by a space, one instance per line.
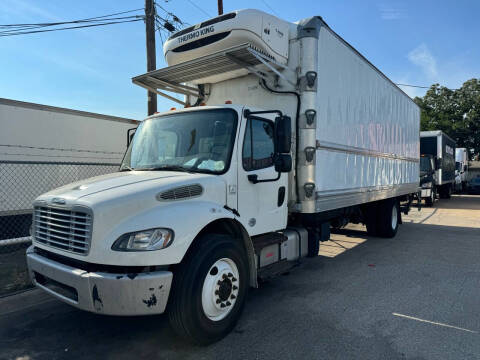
pixel 233 297
pixel 230 274
pixel 234 279
pixel 219 282
pixel 222 305
pixel 229 303
pixel 234 287
pixel 224 276
pixel 216 292
pixel 218 301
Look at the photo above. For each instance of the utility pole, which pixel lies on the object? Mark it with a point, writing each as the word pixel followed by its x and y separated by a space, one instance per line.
pixel 220 7
pixel 151 57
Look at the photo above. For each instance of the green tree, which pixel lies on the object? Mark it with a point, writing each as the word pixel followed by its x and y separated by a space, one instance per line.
pixel 455 112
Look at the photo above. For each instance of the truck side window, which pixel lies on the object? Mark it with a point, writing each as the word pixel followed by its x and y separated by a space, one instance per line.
pixel 258 146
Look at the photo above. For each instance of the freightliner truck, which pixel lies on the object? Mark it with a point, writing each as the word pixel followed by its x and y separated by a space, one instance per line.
pixel 285 131
pixel 440 150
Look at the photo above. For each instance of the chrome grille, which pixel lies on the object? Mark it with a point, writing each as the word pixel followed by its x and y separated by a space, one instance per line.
pixel 69 230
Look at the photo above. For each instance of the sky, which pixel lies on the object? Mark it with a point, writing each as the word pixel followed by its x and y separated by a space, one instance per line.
pixel 412 42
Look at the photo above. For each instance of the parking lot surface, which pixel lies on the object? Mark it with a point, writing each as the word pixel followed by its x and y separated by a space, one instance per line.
pixel 416 296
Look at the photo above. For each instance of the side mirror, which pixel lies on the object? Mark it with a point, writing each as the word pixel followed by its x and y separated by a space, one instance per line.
pixel 465 168
pixel 283 134
pixel 283 163
pixel 130 134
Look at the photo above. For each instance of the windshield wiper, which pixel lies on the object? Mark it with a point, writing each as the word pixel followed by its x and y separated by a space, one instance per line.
pixel 166 168
pixel 126 168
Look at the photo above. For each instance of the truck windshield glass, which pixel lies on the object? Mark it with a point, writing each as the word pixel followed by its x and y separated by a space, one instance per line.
pixel 425 164
pixel 199 141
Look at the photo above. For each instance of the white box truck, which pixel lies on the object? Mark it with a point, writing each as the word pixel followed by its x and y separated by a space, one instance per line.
pixel 43 147
pixel 286 131
pixel 437 165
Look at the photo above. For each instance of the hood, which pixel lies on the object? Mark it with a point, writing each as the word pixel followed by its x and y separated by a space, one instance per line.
pixel 79 189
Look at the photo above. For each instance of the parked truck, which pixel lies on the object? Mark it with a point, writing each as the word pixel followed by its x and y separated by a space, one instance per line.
pixel 285 132
pixel 441 149
pixel 43 147
pixel 461 168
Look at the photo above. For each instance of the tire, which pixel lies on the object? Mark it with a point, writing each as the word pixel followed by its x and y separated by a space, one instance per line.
pixel 193 309
pixel 313 242
pixel 448 192
pixel 389 218
pixel 371 219
pixel 430 200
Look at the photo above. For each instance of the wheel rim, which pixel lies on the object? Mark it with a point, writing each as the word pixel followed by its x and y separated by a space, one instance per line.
pixel 220 289
pixel 394 217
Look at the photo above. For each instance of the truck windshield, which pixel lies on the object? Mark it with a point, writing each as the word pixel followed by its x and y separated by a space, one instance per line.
pixel 197 141
pixel 425 164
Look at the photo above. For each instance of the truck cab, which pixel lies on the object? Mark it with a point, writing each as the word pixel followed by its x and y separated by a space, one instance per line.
pixel 428 178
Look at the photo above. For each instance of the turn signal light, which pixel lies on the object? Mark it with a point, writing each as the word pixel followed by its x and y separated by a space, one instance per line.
pixel 228 101
pixel 171 109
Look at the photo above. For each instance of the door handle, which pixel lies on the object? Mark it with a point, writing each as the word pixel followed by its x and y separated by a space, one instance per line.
pixel 253 178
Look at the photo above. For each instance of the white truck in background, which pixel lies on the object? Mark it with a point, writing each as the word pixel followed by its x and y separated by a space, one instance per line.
pixel 286 131
pixel 43 147
pixel 461 168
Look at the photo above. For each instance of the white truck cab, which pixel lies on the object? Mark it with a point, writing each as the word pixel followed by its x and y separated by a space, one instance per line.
pixel 286 132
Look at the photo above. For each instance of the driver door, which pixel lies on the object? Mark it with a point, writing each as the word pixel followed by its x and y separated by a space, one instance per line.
pixel 262 206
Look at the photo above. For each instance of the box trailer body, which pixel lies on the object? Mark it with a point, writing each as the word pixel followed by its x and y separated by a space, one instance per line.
pixel 287 131
pixel 442 148
pixel 43 147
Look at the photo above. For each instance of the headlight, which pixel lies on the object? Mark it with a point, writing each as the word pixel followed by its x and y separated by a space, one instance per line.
pixel 427 185
pixel 145 240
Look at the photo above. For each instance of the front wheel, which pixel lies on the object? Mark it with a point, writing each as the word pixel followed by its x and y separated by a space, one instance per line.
pixel 209 289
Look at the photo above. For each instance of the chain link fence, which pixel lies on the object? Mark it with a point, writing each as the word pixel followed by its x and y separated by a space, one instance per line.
pixel 20 183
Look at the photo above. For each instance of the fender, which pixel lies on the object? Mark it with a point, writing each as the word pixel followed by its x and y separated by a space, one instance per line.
pixel 231 226
pixel 185 218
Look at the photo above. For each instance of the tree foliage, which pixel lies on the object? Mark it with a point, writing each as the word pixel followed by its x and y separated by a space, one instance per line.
pixel 455 112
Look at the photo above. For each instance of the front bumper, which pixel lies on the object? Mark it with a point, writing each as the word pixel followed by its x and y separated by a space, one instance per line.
pixel 105 293
pixel 426 193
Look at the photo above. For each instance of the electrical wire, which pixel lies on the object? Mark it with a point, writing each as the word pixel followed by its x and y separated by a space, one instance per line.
pixel 415 86
pixel 199 8
pixel 102 20
pixel 268 6
pixel 68 28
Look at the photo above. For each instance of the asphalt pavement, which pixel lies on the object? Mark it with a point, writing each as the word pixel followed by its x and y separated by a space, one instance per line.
pixel 416 296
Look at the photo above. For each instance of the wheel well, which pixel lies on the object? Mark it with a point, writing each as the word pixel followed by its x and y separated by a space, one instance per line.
pixel 235 230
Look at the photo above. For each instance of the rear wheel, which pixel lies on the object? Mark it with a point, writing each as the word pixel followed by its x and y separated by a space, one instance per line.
pixel 388 218
pixel 209 290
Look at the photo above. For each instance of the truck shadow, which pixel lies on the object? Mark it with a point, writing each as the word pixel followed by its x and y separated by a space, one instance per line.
pixel 313 293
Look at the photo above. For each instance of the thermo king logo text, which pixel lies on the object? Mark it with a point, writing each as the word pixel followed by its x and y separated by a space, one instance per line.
pixel 196 34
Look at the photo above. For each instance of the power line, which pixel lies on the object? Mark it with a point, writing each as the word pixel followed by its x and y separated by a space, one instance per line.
pixel 268 6
pixel 199 8
pixel 67 28
pixel 415 86
pixel 109 19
